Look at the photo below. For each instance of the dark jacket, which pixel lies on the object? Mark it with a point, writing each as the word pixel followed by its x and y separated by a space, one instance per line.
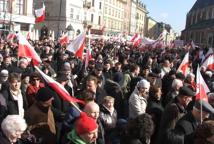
pixel 187 126
pixel 41 123
pixel 12 105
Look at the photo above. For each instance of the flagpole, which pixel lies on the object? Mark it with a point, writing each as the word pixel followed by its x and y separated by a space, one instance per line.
pixel 200 93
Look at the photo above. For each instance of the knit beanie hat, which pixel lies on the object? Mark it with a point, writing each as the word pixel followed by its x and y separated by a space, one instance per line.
pixel 44 94
pixel 85 124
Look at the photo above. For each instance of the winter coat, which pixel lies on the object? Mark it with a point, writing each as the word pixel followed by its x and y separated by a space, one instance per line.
pixel 137 104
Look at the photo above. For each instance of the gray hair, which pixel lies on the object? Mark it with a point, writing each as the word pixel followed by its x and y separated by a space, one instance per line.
pixel 176 82
pixel 13 123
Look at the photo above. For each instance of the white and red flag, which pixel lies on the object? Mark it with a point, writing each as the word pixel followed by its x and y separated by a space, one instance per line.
pixel 183 68
pixel 26 50
pixel 137 42
pixel 209 62
pixel 134 37
pixel 77 45
pixel 201 87
pixel 58 88
pixel 11 36
pixel 40 14
pixel 88 56
pixel 64 40
pixel 28 36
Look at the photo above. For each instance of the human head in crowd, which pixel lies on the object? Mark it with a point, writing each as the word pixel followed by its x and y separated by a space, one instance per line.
pixel 185 96
pixel 91 84
pixel 143 88
pixel 180 76
pixel 7 61
pixel 155 93
pixel 108 102
pixel 99 58
pixel 177 84
pixel 190 77
pixel 145 71
pixel 1 58
pixel 14 81
pixel 13 126
pixel 135 70
pixel 118 66
pixel 23 63
pixel 45 96
pixel 4 75
pixel 206 108
pixel 98 69
pixel 35 79
pixel 142 127
pixel 86 128
pixel 62 79
pixel 204 133
pixel 152 77
pixel 91 64
pixel 88 96
pixel 92 109
pixel 107 65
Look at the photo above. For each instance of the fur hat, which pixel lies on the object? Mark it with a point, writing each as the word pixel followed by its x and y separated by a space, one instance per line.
pixel 85 124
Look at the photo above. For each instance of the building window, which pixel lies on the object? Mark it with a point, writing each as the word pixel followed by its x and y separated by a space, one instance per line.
pixel 99 20
pixel 100 6
pixel 19 7
pixel 4 6
pixel 92 3
pixel 72 13
pixel 92 18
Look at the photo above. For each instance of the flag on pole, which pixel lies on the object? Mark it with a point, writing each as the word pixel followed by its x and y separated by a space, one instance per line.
pixel 201 87
pixel 137 41
pixel 40 14
pixel 11 36
pixel 88 57
pixel 64 40
pixel 134 37
pixel 209 62
pixel 77 45
pixel 58 88
pixel 183 68
pixel 26 50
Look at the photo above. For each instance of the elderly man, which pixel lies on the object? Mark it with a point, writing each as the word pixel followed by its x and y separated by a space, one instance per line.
pixel 138 99
pixel 92 109
pixel 85 130
pixel 189 122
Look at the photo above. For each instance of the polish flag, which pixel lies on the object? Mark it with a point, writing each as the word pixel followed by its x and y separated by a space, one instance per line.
pixel 210 52
pixel 28 36
pixel 40 14
pixel 64 40
pixel 184 65
pixel 134 37
pixel 77 45
pixel 137 41
pixel 209 62
pixel 58 88
pixel 11 36
pixel 201 87
pixel 26 50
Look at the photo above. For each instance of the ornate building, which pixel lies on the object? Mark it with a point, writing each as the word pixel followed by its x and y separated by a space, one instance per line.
pixel 200 23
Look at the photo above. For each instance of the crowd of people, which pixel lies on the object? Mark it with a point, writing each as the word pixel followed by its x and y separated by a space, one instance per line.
pixel 131 96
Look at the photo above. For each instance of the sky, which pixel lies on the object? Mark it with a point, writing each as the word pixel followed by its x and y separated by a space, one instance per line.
pixel 172 12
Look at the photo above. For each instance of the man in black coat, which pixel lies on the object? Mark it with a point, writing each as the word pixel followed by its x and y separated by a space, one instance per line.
pixel 189 122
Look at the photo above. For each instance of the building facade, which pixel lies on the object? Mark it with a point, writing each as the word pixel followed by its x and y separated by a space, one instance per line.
pixel 200 24
pixel 114 15
pixel 141 18
pixel 152 28
pixel 133 20
pixel 16 15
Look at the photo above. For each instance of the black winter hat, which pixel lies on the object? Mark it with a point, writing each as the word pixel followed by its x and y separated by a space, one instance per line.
pixel 44 94
pixel 185 91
